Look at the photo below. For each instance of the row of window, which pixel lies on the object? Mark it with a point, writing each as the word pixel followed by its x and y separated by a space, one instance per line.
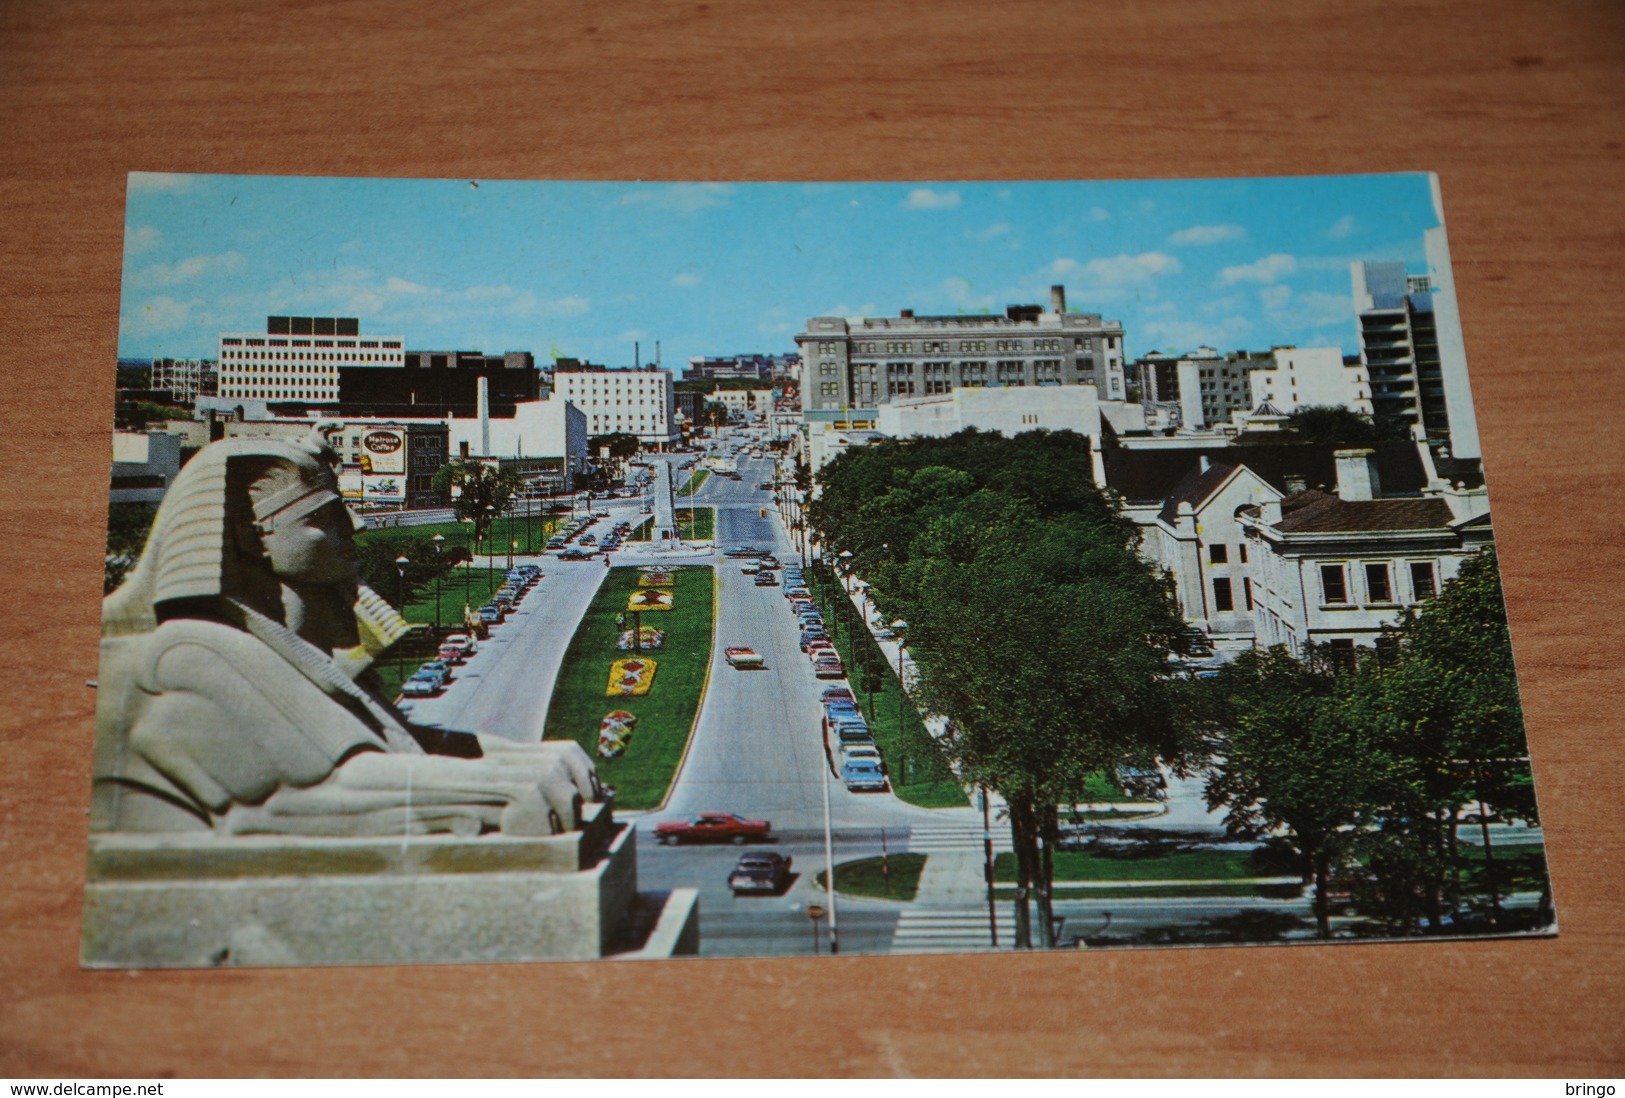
pixel 237 341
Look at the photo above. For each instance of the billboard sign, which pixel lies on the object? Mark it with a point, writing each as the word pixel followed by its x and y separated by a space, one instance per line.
pixel 383 488
pixel 383 451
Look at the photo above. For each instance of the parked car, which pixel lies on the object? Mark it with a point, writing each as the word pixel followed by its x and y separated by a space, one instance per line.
pixel 457 648
pixel 439 667
pixel 713 827
pixel 829 667
pixel 837 693
pixel 424 684
pixel 770 562
pixel 766 579
pixel 797 592
pixel 751 567
pixel 852 751
pixel 760 871
pixel 863 776
pixel 490 615
pixel 808 636
pixel 744 658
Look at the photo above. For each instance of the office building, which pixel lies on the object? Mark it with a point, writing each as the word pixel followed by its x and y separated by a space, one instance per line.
pixel 634 402
pixel 1300 377
pixel 864 363
pixel 298 358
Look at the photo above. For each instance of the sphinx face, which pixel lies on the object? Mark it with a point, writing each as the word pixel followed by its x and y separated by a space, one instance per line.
pixel 316 550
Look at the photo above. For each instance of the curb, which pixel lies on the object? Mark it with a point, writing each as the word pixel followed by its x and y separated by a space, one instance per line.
pixel 705 688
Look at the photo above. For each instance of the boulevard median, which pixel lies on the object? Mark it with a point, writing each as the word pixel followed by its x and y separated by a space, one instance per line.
pixel 652 705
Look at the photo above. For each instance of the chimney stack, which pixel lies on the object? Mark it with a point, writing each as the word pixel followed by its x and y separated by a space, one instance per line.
pixel 1357 475
pixel 482 408
pixel 1057 299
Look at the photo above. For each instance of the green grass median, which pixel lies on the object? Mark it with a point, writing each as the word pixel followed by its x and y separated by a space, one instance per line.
pixel 918 769
pixel 1187 865
pixel 693 524
pixel 694 483
pixel 894 878
pixel 665 716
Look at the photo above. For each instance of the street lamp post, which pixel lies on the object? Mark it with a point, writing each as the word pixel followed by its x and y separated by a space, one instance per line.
pixel 400 599
pixel 987 873
pixel 439 546
pixel 815 913
pixel 490 549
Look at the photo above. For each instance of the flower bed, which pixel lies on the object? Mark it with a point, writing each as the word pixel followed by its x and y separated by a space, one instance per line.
pixel 630 678
pixel 649 599
pixel 648 637
pixel 615 732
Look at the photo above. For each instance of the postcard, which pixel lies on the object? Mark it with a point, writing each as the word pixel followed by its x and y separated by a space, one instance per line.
pixel 516 571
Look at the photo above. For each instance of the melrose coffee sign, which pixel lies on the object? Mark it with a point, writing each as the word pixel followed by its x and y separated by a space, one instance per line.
pixel 383 451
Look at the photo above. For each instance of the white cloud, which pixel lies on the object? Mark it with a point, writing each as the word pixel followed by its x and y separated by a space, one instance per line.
pixel 1275 298
pixel 1062 266
pixel 1122 270
pixel 1183 335
pixel 631 335
pixel 1208 234
pixel 158 316
pixel 567 306
pixel 775 327
pixel 402 286
pixel 1100 213
pixel 153 182
pixel 1271 268
pixel 1310 310
pixel 992 232
pixel 188 270
pixel 680 198
pixel 141 238
pixel 1346 227
pixel 958 291
pixel 924 198
pixel 687 278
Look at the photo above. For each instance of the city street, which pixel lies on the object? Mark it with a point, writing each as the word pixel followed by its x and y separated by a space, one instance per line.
pixel 758 751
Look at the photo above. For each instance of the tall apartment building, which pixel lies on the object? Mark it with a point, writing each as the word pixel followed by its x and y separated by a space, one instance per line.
pixel 185 379
pixel 634 402
pixel 1399 346
pixel 865 363
pixel 299 358
pixel 432 383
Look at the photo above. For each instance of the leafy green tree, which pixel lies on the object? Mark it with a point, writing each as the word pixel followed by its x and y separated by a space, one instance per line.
pixel 128 525
pixel 1289 760
pixel 377 559
pixel 1445 699
pixel 621 444
pixel 480 492
pixel 1045 641
pixel 1335 425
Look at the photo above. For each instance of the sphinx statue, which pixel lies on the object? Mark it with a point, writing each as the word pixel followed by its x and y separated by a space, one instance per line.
pixel 234 694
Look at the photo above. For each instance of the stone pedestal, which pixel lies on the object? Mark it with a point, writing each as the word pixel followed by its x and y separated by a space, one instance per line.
pixel 183 901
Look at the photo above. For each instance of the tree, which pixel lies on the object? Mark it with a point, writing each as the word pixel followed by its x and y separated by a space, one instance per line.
pixel 1335 425
pixel 128 525
pixel 480 492
pixel 1045 641
pixel 1290 760
pixel 1446 701
pixel 621 445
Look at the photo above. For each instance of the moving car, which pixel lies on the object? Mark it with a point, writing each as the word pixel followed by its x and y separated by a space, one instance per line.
pixel 760 871
pixel 575 554
pixel 744 658
pixel 713 827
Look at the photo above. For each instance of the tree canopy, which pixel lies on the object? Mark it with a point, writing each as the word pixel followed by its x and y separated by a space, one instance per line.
pixel 480 492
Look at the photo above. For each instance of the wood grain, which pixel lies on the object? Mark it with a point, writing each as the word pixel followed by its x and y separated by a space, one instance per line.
pixel 1517 106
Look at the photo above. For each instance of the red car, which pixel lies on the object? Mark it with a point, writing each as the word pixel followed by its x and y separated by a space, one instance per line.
pixel 713 827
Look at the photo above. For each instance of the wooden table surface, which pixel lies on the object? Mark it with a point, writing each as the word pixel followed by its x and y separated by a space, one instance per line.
pixel 1516 105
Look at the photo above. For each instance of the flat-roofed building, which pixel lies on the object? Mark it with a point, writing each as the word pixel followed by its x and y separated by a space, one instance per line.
pixel 867 362
pixel 633 402
pixel 298 358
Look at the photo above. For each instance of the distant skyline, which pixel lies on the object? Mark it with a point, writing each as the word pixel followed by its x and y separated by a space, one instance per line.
pixel 588 269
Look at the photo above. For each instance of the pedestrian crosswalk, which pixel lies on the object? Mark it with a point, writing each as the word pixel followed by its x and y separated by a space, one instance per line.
pixel 948 837
pixel 951 930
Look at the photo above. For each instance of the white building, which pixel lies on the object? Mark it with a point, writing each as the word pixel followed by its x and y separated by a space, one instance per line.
pixel 542 435
pixel 1198 540
pixel 298 358
pixel 634 402
pixel 1008 411
pixel 145 463
pixel 870 361
pixel 1299 377
pixel 1334 568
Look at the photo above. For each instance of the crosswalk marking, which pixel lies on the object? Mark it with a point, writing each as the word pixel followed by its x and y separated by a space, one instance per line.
pixel 949 930
pixel 944 837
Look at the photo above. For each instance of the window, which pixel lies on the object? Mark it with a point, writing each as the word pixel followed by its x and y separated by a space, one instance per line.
pixel 1377 584
pixel 1218 554
pixel 1223 601
pixel 1247 591
pixel 1423 581
pixel 1242 549
pixel 1333 585
pixel 1341 652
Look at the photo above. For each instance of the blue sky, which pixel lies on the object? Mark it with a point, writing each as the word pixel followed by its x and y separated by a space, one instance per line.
pixel 586 269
